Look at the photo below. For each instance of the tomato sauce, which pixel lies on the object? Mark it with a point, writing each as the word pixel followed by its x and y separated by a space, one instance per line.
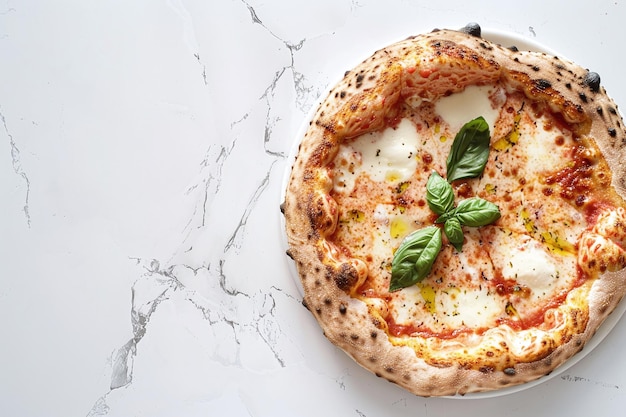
pixel 399 330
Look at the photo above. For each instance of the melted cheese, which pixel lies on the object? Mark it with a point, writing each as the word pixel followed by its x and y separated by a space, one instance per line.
pixel 474 101
pixel 530 266
pixel 387 156
pixel 539 146
pixel 449 308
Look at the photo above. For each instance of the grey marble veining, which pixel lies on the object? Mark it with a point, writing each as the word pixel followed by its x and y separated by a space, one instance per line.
pixel 143 148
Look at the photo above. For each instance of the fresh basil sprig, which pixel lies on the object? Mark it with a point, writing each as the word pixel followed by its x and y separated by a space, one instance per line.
pixel 470 151
pixel 417 253
pixel 414 258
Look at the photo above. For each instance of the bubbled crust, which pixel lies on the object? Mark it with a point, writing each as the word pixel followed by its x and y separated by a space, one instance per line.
pixel 428 67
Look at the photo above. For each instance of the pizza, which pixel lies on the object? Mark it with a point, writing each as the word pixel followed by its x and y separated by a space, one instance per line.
pixel 456 214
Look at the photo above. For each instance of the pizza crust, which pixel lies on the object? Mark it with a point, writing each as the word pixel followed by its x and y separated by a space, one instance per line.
pixel 428 67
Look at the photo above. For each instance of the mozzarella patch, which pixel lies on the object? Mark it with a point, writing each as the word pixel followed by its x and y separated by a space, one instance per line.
pixel 530 266
pixel 387 156
pixel 449 308
pixel 474 101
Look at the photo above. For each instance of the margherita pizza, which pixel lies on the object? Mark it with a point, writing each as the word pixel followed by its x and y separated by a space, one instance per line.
pixel 456 214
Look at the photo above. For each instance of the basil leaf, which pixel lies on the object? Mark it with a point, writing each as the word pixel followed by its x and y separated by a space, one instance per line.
pixel 454 232
pixel 476 212
pixel 439 194
pixel 414 258
pixel 470 151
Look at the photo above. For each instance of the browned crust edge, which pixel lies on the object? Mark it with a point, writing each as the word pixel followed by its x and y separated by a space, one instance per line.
pixel 308 214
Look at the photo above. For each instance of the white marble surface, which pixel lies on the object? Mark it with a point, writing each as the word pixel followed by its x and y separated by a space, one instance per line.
pixel 142 151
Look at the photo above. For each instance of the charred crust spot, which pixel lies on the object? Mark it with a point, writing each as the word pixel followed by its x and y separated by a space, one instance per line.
pixel 389 370
pixel 612 132
pixel 342 94
pixel 374 335
pixel 282 208
pixel 513 48
pixel 372 359
pixel 592 80
pixel 486 369
pixel 288 253
pixel 568 86
pixel 342 308
pixel 509 371
pixel 328 301
pixel 346 276
pixel 600 111
pixel 327 126
pixel 542 84
pixel 583 97
pixel 305 305
pixel 613 111
pixel 359 80
pixel 329 273
pixel 472 28
pixel 354 336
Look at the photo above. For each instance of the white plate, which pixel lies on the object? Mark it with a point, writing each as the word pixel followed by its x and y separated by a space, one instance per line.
pixel 505 39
